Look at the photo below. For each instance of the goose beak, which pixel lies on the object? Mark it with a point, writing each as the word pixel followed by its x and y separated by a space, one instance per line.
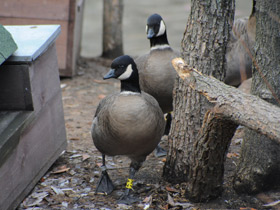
pixel 110 74
pixel 150 33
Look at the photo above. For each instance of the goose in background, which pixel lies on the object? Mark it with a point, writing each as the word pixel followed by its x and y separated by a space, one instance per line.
pixel 240 46
pixel 157 75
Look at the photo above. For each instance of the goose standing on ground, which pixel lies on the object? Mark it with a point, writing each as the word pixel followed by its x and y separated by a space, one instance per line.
pixel 128 123
pixel 157 75
pixel 242 41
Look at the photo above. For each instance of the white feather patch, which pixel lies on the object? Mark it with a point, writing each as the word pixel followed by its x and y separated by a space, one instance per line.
pixel 160 47
pixel 127 73
pixel 129 93
pixel 161 28
pixel 146 29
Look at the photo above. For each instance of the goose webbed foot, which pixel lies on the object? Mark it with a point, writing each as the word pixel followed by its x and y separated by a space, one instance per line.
pixel 105 184
pixel 128 199
pixel 160 152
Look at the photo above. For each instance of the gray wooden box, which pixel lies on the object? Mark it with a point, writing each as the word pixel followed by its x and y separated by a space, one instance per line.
pixel 32 127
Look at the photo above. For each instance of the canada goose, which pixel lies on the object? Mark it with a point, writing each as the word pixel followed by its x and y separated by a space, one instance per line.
pixel 128 123
pixel 157 75
pixel 242 41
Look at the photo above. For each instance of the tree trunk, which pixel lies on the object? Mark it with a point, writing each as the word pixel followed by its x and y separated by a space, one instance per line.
pixel 196 156
pixel 112 28
pixel 259 166
pixel 231 103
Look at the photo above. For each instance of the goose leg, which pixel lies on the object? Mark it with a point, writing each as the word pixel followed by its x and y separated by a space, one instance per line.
pixel 159 151
pixel 126 198
pixel 105 184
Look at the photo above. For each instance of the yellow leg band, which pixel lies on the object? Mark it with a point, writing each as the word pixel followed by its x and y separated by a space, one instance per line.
pixel 129 183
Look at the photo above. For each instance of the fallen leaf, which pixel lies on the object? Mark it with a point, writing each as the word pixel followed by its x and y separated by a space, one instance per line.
pixel 76 156
pixel 165 207
pixel 184 205
pixel 171 189
pixel 234 154
pixel 99 164
pixel 62 85
pixel 123 206
pixel 39 195
pixel 57 190
pixel 274 203
pixel 170 200
pixel 85 157
pixel 64 204
pixel 148 201
pixel 101 96
pixel 61 169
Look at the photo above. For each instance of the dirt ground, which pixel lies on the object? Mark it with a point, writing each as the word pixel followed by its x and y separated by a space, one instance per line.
pixel 70 183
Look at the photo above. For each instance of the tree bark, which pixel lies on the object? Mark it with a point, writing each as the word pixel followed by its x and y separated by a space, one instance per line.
pixel 231 103
pixel 112 28
pixel 259 166
pixel 204 47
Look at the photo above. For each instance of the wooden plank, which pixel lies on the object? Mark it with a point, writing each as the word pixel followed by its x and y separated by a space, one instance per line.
pixel 33 155
pixel 15 89
pixel 44 77
pixel 11 126
pixel 32 40
pixel 61 42
pixel 43 9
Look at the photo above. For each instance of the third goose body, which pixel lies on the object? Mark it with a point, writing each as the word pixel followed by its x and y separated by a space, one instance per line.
pixel 240 46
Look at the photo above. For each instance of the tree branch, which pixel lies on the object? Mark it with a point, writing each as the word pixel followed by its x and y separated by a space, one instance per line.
pixel 244 109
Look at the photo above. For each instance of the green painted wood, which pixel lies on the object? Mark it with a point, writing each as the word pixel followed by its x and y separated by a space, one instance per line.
pixel 7 44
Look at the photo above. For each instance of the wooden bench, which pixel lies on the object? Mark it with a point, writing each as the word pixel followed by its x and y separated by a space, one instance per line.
pixel 32 127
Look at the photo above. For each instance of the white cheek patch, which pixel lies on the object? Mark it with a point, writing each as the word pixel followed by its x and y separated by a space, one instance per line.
pixel 146 29
pixel 161 28
pixel 127 73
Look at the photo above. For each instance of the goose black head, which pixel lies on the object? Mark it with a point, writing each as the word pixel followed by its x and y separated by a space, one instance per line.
pixel 124 69
pixel 156 30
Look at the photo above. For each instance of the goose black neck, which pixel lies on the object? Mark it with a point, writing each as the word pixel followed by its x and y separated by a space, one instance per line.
pixel 131 85
pixel 160 40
